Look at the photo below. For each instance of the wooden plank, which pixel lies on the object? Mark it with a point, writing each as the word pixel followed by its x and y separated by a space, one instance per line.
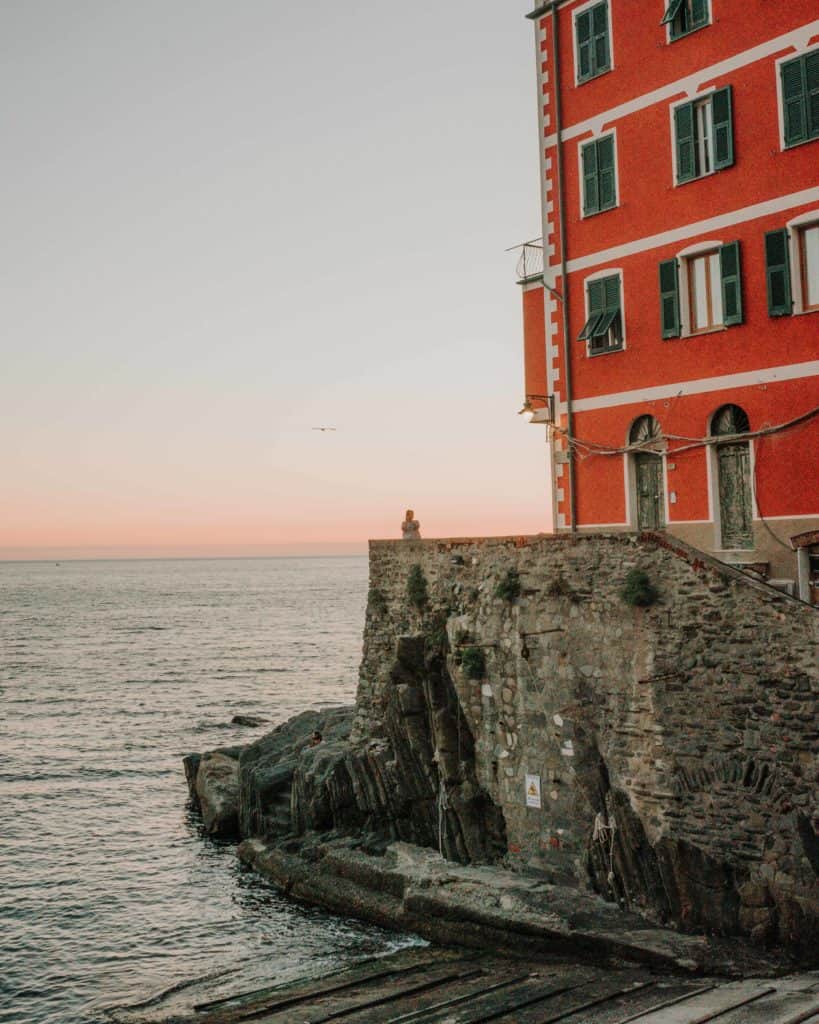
pixel 699 1009
pixel 265 1001
pixel 340 1004
pixel 783 1007
pixel 416 1009
pixel 637 1002
pixel 495 1005
pixel 574 1004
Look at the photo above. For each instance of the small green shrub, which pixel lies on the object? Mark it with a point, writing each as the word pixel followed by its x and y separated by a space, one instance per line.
pixel 376 601
pixel 436 635
pixel 638 590
pixel 559 587
pixel 417 591
pixel 473 663
pixel 509 587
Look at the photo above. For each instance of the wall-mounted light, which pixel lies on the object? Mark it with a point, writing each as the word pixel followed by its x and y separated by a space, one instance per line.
pixel 541 415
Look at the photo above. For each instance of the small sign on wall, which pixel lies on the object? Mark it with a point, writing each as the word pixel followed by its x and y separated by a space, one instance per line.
pixel 533 791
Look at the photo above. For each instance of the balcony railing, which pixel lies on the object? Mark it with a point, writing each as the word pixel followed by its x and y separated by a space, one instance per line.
pixel 530 260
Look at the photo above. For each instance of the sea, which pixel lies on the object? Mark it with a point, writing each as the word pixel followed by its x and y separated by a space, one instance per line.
pixel 111 671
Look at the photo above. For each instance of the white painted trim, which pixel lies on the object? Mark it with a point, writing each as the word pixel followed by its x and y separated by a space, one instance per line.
pixel 720 223
pixel 580 177
pixel 751 378
pixel 579 10
pixel 809 515
pixel 796 41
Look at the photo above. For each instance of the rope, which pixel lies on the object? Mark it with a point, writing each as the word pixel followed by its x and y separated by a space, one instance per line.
pixel 650 444
pixel 443 806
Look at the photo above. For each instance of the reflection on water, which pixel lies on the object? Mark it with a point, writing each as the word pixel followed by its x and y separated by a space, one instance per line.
pixel 110 672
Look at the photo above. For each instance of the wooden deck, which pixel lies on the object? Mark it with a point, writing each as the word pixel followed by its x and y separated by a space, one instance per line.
pixel 433 986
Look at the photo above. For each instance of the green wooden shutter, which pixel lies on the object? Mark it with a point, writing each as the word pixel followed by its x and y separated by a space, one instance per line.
pixel 723 128
pixel 731 284
pixel 600 30
pixel 611 314
pixel 597 305
pixel 812 89
pixel 671 11
pixel 582 27
pixel 793 101
pixel 605 173
pixel 591 193
pixel 699 13
pixel 684 131
pixel 669 299
pixel 778 272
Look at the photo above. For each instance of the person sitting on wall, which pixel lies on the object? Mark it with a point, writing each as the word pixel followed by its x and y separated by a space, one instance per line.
pixel 315 739
pixel 410 528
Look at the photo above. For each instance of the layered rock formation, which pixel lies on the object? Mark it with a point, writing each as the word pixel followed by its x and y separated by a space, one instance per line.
pixel 518 703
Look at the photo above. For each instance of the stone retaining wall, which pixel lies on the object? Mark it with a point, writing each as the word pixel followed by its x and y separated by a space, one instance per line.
pixel 675 745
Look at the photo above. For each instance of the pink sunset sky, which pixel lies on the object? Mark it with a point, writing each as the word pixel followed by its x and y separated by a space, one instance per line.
pixel 233 223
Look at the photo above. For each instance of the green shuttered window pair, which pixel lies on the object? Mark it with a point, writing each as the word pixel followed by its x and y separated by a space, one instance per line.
pixel 684 16
pixel 599 191
pixel 603 328
pixel 704 135
pixel 593 45
pixel 778 273
pixel 728 301
pixel 800 98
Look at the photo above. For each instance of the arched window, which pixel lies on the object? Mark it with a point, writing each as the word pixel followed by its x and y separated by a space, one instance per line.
pixel 730 419
pixel 643 430
pixel 647 473
pixel 733 460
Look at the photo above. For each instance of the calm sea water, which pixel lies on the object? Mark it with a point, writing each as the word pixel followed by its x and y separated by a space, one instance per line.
pixel 109 672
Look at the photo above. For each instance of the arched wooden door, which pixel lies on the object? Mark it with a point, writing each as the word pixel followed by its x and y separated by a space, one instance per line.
pixel 734 478
pixel 648 475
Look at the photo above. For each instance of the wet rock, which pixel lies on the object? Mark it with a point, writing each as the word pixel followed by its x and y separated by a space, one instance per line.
pixel 217 789
pixel 251 721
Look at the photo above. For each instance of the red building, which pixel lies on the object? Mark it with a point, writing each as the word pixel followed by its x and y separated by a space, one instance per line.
pixel 671 308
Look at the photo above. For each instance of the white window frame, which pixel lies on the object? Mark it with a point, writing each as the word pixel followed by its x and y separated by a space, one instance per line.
pixel 676 39
pixel 683 274
pixel 580 10
pixel 598 136
pixel 698 100
pixel 795 227
pixel 608 272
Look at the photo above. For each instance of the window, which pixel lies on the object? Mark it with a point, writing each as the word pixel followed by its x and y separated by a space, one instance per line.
pixel 800 98
pixel 599 191
pixel 604 327
pixel 710 285
pixel 591 29
pixel 808 238
pixel 684 16
pixel 800 289
pixel 704 135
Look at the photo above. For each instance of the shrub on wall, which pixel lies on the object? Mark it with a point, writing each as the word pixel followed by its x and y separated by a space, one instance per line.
pixel 417 592
pixel 473 663
pixel 638 590
pixel 376 601
pixel 509 587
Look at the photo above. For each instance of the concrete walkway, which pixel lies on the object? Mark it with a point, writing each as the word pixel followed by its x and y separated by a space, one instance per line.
pixel 413 889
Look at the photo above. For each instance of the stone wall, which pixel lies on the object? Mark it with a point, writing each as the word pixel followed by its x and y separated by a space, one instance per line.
pixel 675 744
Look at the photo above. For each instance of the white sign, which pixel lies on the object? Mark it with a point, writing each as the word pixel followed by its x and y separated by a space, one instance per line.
pixel 533 791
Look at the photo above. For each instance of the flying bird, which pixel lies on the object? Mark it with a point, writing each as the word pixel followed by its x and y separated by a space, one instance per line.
pixel 323 428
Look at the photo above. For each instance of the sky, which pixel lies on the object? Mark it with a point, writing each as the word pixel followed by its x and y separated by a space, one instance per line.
pixel 226 223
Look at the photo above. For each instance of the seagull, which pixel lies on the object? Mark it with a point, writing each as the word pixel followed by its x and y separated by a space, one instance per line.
pixel 323 428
